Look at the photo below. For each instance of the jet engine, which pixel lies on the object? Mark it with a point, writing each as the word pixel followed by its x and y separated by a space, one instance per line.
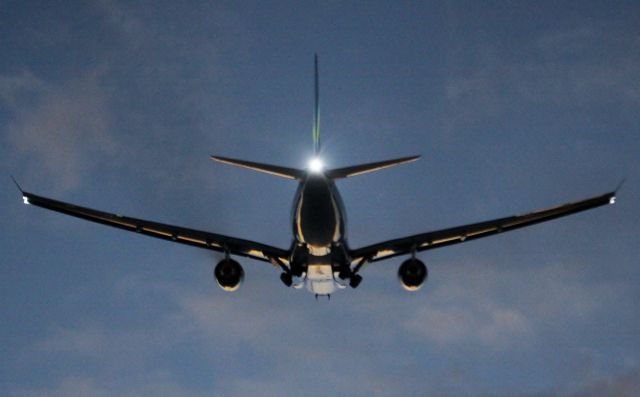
pixel 229 274
pixel 412 274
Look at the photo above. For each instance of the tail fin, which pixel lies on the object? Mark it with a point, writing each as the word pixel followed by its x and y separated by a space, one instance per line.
pixel 285 172
pixel 370 167
pixel 316 109
pixel 293 173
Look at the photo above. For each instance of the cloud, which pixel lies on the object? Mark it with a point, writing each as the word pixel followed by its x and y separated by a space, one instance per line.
pixel 620 385
pixel 16 89
pixel 471 312
pixel 90 340
pixel 503 308
pixel 123 20
pixel 562 68
pixel 623 384
pixel 361 343
pixel 159 385
pixel 489 323
pixel 59 132
pixel 70 386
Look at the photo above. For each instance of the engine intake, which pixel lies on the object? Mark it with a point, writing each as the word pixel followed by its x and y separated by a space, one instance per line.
pixel 229 274
pixel 412 274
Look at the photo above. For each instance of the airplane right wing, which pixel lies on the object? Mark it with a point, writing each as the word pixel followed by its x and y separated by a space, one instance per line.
pixel 459 234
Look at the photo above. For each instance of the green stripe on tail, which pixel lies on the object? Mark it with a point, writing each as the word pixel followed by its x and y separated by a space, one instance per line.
pixel 316 110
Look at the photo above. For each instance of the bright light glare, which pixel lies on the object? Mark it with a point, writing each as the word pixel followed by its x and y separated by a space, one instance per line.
pixel 612 200
pixel 25 199
pixel 316 165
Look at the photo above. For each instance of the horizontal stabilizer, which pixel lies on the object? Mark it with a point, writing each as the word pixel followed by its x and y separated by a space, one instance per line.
pixel 370 167
pixel 285 172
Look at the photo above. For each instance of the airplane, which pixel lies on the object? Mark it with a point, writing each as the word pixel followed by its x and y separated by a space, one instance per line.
pixel 319 256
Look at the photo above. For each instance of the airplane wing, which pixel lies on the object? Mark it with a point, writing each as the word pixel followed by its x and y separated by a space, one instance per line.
pixel 459 234
pixel 212 241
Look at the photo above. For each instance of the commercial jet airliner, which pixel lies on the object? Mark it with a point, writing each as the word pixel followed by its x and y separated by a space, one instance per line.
pixel 319 256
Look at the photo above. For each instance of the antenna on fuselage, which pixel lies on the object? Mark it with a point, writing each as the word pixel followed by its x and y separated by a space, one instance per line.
pixel 316 108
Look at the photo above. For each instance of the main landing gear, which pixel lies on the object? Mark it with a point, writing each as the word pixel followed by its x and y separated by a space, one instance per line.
pixel 286 279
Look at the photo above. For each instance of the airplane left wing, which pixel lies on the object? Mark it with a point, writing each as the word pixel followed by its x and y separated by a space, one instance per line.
pixel 459 234
pixel 211 241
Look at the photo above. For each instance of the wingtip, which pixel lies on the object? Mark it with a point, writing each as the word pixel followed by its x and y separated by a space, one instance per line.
pixel 410 159
pixel 614 194
pixel 17 184
pixel 221 159
pixel 25 199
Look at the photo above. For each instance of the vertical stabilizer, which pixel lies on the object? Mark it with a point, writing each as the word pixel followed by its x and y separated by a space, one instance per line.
pixel 316 109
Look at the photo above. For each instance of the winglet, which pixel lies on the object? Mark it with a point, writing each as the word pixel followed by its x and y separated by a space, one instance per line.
pixel 16 183
pixel 24 197
pixel 612 200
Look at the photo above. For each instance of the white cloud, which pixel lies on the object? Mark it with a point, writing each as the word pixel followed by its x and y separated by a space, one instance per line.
pixel 89 340
pixel 620 385
pixel 157 385
pixel 70 386
pixel 504 308
pixel 59 132
pixel 361 343
pixel 623 384
pixel 123 20
pixel 16 89
pixel 471 315
pixel 562 69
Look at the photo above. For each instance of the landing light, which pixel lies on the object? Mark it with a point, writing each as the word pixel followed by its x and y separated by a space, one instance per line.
pixel 25 200
pixel 316 165
pixel 612 200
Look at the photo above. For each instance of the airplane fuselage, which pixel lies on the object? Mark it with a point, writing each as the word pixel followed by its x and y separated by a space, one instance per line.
pixel 319 231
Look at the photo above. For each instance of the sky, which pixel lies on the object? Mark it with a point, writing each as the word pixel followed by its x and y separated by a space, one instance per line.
pixel 514 106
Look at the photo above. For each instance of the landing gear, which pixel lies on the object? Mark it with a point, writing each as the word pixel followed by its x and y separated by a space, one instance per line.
pixel 344 274
pixel 296 270
pixel 355 280
pixel 286 279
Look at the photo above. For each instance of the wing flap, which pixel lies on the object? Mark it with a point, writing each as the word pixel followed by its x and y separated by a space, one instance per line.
pixel 459 234
pixel 197 238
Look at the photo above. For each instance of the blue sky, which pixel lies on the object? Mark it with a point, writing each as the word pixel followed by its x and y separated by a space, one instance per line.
pixel 514 106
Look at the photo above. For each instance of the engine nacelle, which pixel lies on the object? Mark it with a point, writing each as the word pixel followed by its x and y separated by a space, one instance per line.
pixel 229 274
pixel 412 274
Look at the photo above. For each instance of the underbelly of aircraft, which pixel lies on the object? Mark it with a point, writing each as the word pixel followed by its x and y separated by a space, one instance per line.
pixel 318 224
pixel 320 279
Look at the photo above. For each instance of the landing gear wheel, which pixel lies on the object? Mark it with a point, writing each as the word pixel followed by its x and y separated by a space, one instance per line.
pixel 355 280
pixel 286 279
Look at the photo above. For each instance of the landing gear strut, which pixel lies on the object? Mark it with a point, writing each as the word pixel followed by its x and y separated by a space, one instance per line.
pixel 354 278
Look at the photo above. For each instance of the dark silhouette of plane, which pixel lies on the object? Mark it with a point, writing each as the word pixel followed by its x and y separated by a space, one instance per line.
pixel 319 256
